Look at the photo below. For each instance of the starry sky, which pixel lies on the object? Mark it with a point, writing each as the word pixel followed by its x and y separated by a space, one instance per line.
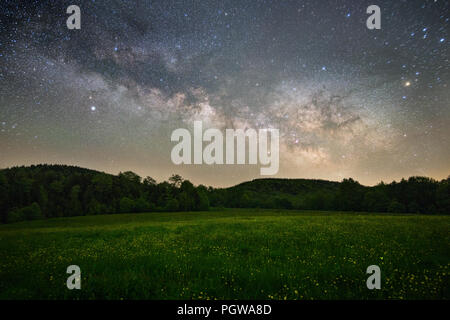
pixel 348 101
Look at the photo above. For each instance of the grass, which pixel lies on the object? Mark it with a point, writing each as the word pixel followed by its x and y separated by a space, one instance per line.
pixel 227 254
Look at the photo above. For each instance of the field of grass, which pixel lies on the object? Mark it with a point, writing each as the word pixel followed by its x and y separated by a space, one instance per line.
pixel 227 254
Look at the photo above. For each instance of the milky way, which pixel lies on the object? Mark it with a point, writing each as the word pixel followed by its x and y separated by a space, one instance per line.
pixel 348 101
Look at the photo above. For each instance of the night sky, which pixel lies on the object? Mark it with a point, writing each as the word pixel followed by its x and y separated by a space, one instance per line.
pixel 348 101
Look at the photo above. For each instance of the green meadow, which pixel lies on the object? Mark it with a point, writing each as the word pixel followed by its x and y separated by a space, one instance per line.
pixel 227 254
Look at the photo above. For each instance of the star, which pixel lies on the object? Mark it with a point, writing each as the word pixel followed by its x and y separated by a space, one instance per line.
pixel 303 68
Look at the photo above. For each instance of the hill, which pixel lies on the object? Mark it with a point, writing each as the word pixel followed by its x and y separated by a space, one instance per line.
pixel 287 186
pixel 44 191
pixel 415 195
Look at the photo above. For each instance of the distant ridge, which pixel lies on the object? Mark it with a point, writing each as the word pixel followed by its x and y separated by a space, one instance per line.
pixel 289 186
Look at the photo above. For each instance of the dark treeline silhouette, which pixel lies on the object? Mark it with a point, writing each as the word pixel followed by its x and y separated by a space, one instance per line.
pixel 45 191
pixel 415 195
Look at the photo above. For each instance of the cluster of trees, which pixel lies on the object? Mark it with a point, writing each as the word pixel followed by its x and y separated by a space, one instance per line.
pixel 44 191
pixel 415 195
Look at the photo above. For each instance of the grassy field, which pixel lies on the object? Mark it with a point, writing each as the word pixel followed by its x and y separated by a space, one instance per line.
pixel 227 254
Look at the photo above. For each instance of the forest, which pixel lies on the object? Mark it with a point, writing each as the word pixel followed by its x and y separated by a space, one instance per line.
pixel 46 191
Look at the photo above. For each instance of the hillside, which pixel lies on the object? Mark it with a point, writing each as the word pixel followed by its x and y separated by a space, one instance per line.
pixel 44 191
pixel 287 186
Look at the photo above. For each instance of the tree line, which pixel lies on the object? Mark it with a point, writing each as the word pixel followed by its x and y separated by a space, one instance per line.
pixel 46 191
pixel 414 195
